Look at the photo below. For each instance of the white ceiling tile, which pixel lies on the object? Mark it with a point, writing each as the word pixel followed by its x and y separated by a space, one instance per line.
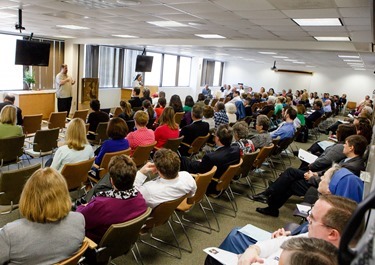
pixel 357 21
pixel 292 4
pixel 242 5
pixel 361 12
pixel 155 9
pixel 292 28
pixel 324 29
pixel 290 33
pixel 329 33
pixel 312 13
pixel 261 14
pixel 198 8
pixel 274 22
pixel 351 3
pixel 360 36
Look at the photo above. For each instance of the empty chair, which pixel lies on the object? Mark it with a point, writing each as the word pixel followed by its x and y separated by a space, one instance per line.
pixel 82 114
pixel 76 258
pixel 11 149
pixel 31 124
pixel 11 185
pixel 100 133
pixel 57 120
pixel 142 154
pixel 45 142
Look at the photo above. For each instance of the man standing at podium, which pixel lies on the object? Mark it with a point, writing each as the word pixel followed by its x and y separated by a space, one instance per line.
pixel 64 90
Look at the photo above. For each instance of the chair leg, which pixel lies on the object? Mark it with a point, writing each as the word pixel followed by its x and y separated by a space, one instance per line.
pixel 213 212
pixel 190 250
pixel 137 254
pixel 192 224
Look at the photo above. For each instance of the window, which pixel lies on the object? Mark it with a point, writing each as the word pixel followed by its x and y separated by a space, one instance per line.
pixel 129 67
pixel 212 72
pixel 169 70
pixel 109 61
pixel 184 71
pixel 153 78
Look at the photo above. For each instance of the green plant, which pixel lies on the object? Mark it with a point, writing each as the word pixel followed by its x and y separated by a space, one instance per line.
pixel 29 77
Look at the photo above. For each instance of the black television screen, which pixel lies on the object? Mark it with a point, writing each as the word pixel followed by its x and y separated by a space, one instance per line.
pixel 32 53
pixel 144 63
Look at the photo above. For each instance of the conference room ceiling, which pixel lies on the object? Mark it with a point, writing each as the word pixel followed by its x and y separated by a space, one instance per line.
pixel 249 27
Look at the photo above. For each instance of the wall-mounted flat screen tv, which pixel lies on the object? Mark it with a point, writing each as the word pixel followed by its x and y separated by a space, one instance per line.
pixel 144 63
pixel 32 53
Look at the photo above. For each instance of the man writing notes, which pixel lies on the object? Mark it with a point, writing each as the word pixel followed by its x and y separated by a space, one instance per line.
pixel 64 90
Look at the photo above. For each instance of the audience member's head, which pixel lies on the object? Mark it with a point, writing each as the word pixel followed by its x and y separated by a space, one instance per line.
pixel 95 105
pixel 262 123
pixel 291 112
pixel 162 102
pixel 318 104
pixel 301 109
pixel 224 134
pixel 189 101
pixel 8 115
pixel 9 97
pixel 230 108
pixel 323 187
pixel 122 171
pixel 240 130
pixel 356 144
pixel 117 128
pixel 136 91
pixel 45 197
pixel 167 163
pixel 364 129
pixel 126 107
pixel 167 118
pixel 141 118
pixel 208 111
pixel 308 251
pixel 345 130
pixel 201 97
pixel 219 106
pixel 197 112
pixel 75 135
pixel 161 94
pixel 146 92
pixel 175 103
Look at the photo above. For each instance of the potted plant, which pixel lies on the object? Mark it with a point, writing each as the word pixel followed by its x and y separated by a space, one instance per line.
pixel 29 78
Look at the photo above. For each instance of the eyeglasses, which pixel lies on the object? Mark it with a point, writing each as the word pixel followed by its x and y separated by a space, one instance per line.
pixel 311 219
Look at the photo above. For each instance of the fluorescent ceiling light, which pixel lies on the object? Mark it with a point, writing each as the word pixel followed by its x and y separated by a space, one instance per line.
pixel 310 66
pixel 222 54
pixel 125 36
pixel 351 60
pixel 332 38
pixel 167 24
pixel 71 27
pixel 361 63
pixel 210 36
pixel 64 37
pixel 267 52
pixel 249 59
pixel 7 15
pixel 349 56
pixel 290 60
pixel 299 62
pixel 359 69
pixel 317 22
pixel 280 57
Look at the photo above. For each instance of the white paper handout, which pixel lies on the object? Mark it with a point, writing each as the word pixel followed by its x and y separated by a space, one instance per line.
pixel 255 232
pixel 223 256
pixel 306 156
pixel 303 208
pixel 325 144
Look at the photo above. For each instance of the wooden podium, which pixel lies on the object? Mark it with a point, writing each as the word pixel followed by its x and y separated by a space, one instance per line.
pixel 89 91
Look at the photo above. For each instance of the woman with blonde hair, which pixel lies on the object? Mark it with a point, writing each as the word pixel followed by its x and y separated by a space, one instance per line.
pixel 8 120
pixel 127 112
pixel 76 147
pixel 167 129
pixel 48 232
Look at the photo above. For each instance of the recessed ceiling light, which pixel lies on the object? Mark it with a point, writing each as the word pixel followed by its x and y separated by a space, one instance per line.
pixel 352 60
pixel 359 63
pixel 210 36
pixel 126 36
pixel 64 37
pixel 299 62
pixel 280 57
pixel 290 60
pixel 195 23
pixel 332 38
pixel 359 69
pixel 71 27
pixel 267 52
pixel 310 66
pixel 317 22
pixel 167 24
pixel 349 56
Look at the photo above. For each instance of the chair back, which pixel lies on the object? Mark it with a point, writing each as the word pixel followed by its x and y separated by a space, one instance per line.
pixel 142 154
pixel 32 123
pixel 178 117
pixel 198 143
pixel 46 140
pixel 316 122
pixel 161 213
pixel 227 176
pixel 131 125
pixel 12 182
pixel 107 157
pixel 351 105
pixel 254 107
pixel 101 132
pixel 202 180
pixel 82 114
pixel 57 120
pixel 247 164
pixel 120 238
pixel 262 156
pixel 227 99
pixel 173 144
pixel 76 174
pixel 11 148
pixel 117 112
pixel 213 102
pixel 74 260
pixel 270 114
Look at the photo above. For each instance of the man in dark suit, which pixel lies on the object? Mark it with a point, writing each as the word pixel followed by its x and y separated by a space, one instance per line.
pixel 135 100
pixel 223 156
pixel 318 107
pixel 195 129
pixel 9 100
pixel 297 182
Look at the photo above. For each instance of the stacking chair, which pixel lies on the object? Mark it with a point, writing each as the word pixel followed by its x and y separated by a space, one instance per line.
pixel 173 144
pixel 77 257
pixel 178 117
pixel 279 149
pixel 315 128
pixel 351 105
pixel 213 102
pixel 80 114
pixel 56 120
pixel 226 99
pixel 119 239
pixel 142 154
pixel 11 149
pixel 246 166
pixel 197 144
pixel 223 186
pixel 187 205
pixel 103 167
pixel 263 155
pixel 160 215
pixel 11 185
pixel 100 133
pixel 31 124
pixel 45 142
pixel 76 174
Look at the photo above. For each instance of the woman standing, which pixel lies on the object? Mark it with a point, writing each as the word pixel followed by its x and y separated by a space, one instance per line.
pixel 138 81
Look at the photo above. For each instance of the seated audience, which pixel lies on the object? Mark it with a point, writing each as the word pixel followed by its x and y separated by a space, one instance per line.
pixel 135 100
pixel 220 116
pixel 170 184
pixel 146 95
pixel 223 156
pixel 286 129
pixel 318 112
pixel 167 128
pixel 142 135
pixel 200 100
pixel 8 120
pixel 262 137
pixel 279 105
pixel 147 107
pixel 127 112
pixel 75 149
pixel 208 116
pixel 119 204
pixel 266 109
pixel 240 133
pixel 9 99
pixel 236 96
pixel 47 232
pixel 206 91
pixel 300 119
pixel 160 108
pixel 231 112
pixel 194 130
pixel 96 116
pixel 189 103
pixel 175 103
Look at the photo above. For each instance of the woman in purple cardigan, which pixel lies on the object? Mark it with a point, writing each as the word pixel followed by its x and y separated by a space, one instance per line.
pixel 120 204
